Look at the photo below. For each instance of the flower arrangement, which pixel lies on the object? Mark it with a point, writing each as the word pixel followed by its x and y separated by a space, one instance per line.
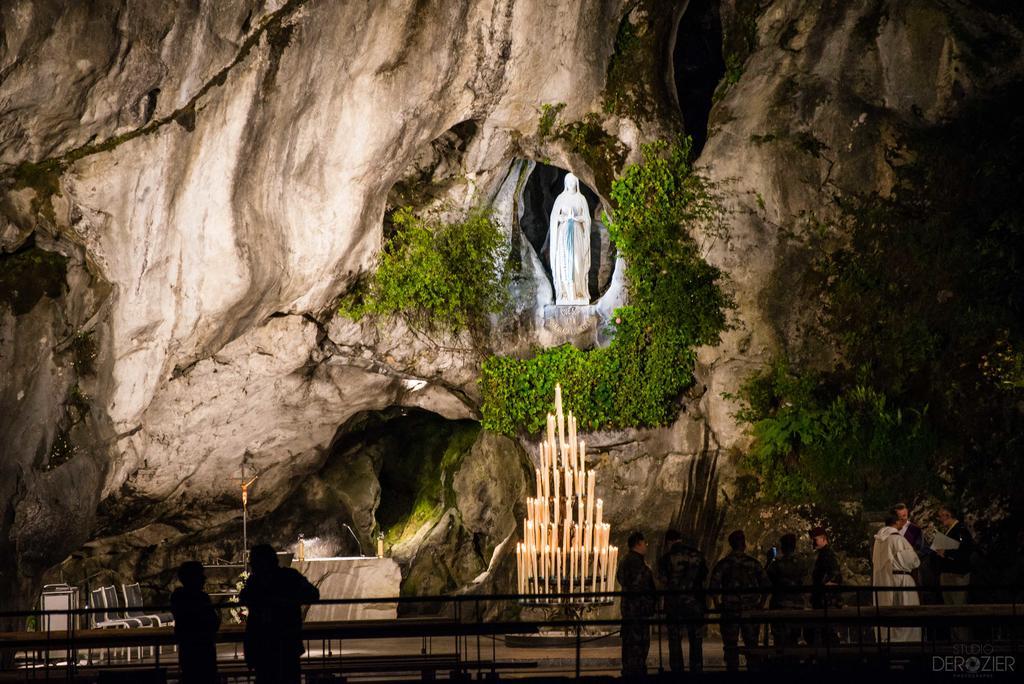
pixel 238 612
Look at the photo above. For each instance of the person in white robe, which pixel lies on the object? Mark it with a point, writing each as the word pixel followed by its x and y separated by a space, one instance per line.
pixel 892 560
pixel 569 235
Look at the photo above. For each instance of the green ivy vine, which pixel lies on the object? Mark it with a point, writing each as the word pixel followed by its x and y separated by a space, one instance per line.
pixel 676 304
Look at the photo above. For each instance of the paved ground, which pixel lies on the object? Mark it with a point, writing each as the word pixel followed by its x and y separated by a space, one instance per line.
pixel 596 657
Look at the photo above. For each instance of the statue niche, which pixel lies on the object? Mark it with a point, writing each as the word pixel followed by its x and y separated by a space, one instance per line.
pixel 569 245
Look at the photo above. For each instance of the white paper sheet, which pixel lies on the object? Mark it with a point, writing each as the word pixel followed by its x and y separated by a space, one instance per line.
pixel 944 543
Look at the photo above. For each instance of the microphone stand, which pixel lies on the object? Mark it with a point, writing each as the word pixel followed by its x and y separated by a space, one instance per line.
pixel 361 554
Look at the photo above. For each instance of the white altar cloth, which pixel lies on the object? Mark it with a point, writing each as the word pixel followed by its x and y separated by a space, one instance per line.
pixel 352 577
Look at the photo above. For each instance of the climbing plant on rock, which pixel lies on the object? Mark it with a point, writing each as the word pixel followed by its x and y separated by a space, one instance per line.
pixel 436 274
pixel 676 304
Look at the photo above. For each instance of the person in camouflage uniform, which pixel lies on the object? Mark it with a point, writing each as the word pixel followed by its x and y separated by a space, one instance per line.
pixel 633 575
pixel 787 572
pixel 826 573
pixel 738 571
pixel 683 568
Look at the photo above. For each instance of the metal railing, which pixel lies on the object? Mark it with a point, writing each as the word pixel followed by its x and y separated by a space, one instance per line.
pixel 463 635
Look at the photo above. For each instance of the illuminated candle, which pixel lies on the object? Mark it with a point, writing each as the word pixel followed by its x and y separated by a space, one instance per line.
pixel 544 558
pixel 572 569
pixel 519 568
pixel 600 512
pixel 565 536
pixel 541 538
pixel 581 455
pixel 558 398
pixel 554 569
pixel 551 431
pixel 560 422
pixel 572 436
pixel 533 570
pixel 540 491
pixel 613 559
pixel 604 563
pixel 558 499
pixel 590 497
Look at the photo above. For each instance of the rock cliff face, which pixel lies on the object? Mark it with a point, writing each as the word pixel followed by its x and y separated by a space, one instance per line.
pixel 214 175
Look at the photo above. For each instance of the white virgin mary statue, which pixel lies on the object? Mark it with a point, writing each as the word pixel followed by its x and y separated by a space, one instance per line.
pixel 569 247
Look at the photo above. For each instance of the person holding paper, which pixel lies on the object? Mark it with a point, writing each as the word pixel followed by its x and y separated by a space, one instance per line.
pixel 954 562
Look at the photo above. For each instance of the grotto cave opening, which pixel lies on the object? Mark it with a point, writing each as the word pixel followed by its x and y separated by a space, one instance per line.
pixel 387 472
pixel 698 66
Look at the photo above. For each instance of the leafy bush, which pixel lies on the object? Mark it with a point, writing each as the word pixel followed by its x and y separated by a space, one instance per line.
pixel 813 442
pixel 676 304
pixel 447 274
pixel 921 297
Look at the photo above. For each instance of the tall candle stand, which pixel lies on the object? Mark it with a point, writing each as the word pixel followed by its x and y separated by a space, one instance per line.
pixel 565 553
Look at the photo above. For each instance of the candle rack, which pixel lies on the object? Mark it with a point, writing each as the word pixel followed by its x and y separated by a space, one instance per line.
pixel 565 553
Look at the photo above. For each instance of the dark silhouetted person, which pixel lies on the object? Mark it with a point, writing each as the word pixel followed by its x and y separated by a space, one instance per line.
pixel 787 574
pixel 909 530
pixel 195 626
pixel 826 573
pixel 635 577
pixel 683 568
pixel 273 629
pixel 955 565
pixel 738 571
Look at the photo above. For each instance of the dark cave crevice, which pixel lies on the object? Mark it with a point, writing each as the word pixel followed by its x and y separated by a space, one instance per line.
pixel 435 168
pixel 698 66
pixel 410 454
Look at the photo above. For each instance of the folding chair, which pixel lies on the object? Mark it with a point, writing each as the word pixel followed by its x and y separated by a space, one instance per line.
pixel 133 604
pixel 102 620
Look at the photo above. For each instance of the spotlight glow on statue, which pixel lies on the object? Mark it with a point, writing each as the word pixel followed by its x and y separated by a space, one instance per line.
pixel 569 248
